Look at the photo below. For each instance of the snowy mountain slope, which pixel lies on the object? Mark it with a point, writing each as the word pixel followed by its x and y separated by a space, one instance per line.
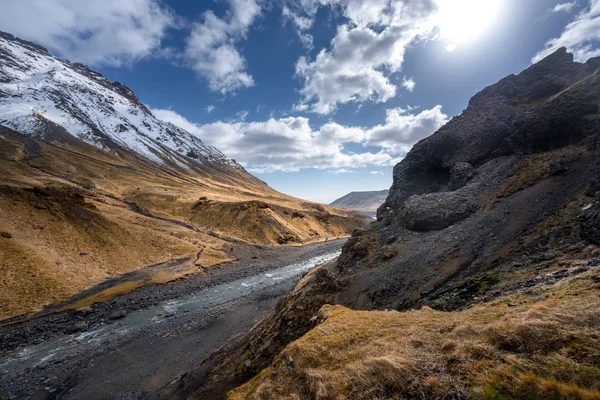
pixel 36 87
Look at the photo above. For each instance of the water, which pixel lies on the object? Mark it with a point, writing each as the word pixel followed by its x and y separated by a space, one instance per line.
pixel 40 354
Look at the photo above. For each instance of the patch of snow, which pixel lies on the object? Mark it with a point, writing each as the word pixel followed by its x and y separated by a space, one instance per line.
pixel 38 87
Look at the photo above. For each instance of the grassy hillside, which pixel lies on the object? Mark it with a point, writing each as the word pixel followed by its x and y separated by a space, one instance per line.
pixel 515 347
pixel 73 215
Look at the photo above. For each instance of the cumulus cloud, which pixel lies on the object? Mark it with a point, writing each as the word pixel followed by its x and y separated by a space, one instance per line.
pixel 403 129
pixel 176 119
pixel 581 37
pixel 341 171
pixel 108 32
pixel 291 144
pixel 210 109
pixel 211 47
pixel 365 51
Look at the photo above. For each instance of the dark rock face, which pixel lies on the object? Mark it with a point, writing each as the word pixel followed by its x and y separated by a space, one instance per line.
pixel 590 223
pixel 497 190
pixel 498 183
pixel 460 174
pixel 521 114
pixel 435 211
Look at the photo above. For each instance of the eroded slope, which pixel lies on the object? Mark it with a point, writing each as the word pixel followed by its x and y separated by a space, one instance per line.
pixel 484 221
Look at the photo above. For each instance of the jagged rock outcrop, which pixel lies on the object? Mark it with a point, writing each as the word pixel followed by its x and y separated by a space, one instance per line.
pixel 493 197
pixel 486 188
pixel 550 105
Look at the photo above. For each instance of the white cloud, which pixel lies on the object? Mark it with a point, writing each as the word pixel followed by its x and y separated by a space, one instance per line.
pixel 341 171
pixel 174 118
pixel 241 115
pixel 408 84
pixel 403 129
pixel 581 37
pixel 564 7
pixel 301 24
pixel 376 173
pixel 210 109
pixel 364 52
pixel 108 32
pixel 291 144
pixel 211 47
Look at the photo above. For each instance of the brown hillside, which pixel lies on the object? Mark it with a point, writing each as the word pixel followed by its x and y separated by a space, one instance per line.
pixel 77 215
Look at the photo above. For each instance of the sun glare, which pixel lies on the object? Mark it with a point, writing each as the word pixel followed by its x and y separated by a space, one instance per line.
pixel 463 21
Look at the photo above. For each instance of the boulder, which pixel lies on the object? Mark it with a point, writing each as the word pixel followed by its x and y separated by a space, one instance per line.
pixel 556 167
pixel 589 220
pixel 5 235
pixel 435 211
pixel 118 314
pixel 76 327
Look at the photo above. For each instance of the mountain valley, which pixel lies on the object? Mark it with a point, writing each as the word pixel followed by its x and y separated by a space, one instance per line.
pixel 94 186
pixel 479 278
pixel 140 260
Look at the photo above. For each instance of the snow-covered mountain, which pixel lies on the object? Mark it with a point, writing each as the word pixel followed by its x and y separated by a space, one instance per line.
pixel 40 93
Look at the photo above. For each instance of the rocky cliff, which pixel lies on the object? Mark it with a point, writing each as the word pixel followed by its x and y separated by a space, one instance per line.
pixel 498 210
pixel 505 179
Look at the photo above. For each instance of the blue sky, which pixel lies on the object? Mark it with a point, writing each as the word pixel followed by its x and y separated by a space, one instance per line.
pixel 316 97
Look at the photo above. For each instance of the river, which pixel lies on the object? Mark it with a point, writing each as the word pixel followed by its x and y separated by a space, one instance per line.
pixel 201 321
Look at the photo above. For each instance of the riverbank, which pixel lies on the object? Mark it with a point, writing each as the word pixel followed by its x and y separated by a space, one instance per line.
pixel 143 360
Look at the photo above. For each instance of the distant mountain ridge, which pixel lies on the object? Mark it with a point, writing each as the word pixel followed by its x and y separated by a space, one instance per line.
pixel 366 202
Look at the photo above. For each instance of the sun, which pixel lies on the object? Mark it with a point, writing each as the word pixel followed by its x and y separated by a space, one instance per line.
pixel 463 21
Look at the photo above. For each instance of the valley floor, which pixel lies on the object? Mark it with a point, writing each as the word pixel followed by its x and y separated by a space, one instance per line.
pixel 70 354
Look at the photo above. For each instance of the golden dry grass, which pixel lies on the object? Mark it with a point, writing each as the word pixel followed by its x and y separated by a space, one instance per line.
pixel 549 350
pixel 78 216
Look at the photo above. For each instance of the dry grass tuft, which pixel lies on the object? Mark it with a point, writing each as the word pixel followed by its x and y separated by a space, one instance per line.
pixel 491 352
